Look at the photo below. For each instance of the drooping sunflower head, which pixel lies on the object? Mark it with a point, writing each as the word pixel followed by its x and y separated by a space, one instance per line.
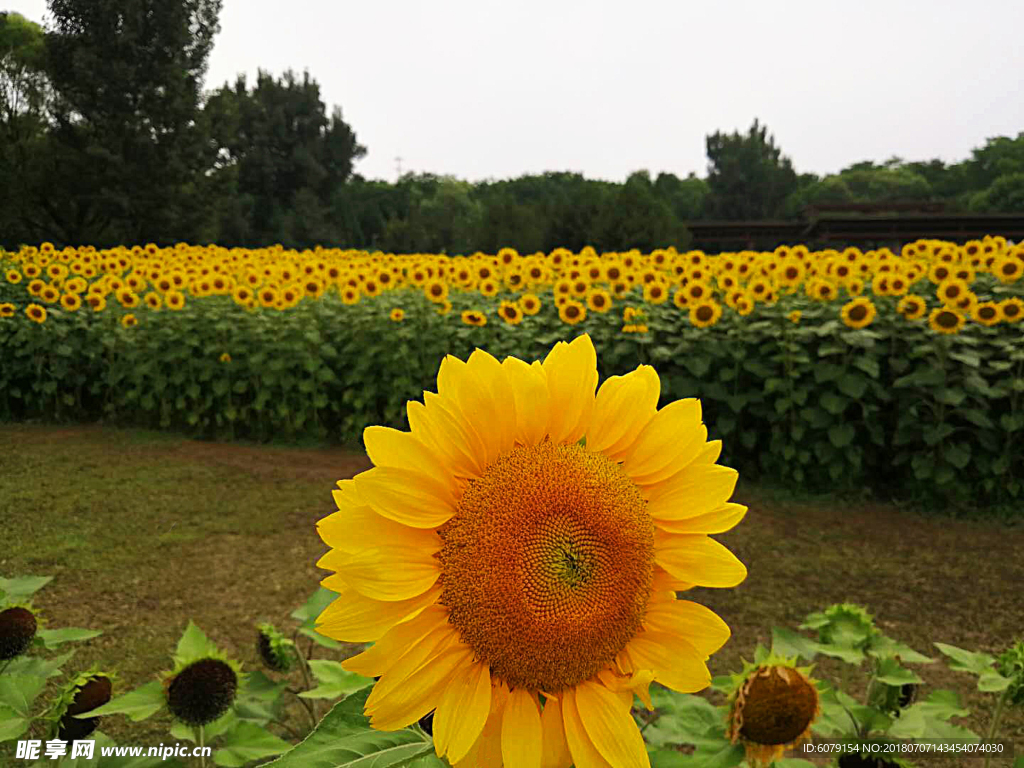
pixel 85 692
pixel 18 625
pixel 515 558
pixel 772 706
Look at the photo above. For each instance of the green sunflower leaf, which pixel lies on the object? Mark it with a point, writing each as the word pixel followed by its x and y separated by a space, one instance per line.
pixel 882 647
pixel 321 640
pixel 17 692
pixel 247 742
pixel 993 682
pixel 966 661
pixel 786 642
pixel 314 606
pixel 137 705
pixel 194 645
pixel 891 673
pixel 344 739
pixel 21 588
pixel 335 681
pixel 51 638
pixel 12 724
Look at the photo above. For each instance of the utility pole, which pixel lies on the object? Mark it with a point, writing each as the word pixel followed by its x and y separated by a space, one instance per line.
pixel 398 166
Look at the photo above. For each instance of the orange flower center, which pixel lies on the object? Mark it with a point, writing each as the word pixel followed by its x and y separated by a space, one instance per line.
pixel 547 565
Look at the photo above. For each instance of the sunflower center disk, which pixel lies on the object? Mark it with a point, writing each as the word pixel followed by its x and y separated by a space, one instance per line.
pixel 547 565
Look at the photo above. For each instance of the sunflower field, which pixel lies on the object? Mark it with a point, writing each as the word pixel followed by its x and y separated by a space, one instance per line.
pixel 825 369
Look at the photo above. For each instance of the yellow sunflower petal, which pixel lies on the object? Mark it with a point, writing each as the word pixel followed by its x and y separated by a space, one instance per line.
pixel 696 491
pixel 388 447
pixel 398 495
pixel 698 559
pixel 572 381
pixel 623 407
pixel 555 751
pixel 720 520
pixel 354 528
pixel 610 726
pixel 386 652
pixel 675 662
pixel 584 753
pixel 710 453
pixel 672 439
pixel 700 626
pixel 462 712
pixel 468 390
pixel 392 573
pixel 418 692
pixel 434 423
pixel 530 387
pixel 521 734
pixel 353 618
pixel 663 580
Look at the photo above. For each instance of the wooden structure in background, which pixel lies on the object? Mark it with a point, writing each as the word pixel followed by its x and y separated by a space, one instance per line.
pixel 860 224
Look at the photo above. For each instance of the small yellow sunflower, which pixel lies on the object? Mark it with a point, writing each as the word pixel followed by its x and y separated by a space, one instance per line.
pixel 517 575
pixel 572 312
pixel 858 313
pixel 474 317
pixel 529 303
pixel 912 307
pixel 946 320
pixel 510 312
pixel 397 315
pixel 71 302
pixel 986 313
pixel 1012 309
pixel 794 316
pixel 706 313
pixel 599 300
pixel 36 313
pixel 129 321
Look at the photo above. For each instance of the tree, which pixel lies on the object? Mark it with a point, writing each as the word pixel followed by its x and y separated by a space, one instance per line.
pixel 279 147
pixel 24 93
pixel 686 197
pixel 1005 195
pixel 127 77
pixel 636 218
pixel 748 178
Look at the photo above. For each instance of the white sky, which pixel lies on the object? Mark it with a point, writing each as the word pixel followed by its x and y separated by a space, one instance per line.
pixel 483 89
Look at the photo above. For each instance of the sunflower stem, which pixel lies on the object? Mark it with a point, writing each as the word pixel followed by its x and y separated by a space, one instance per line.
pixel 6 663
pixel 202 746
pixel 997 713
pixel 304 667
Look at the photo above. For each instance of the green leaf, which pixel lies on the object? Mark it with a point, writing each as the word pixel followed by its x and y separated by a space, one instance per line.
pixel 841 435
pixel 993 682
pixel 668 758
pixel 21 588
pixel 833 403
pixel 786 642
pixel 314 606
pixel 319 639
pixel 18 692
pixel 959 454
pixel 891 673
pixel 137 705
pixel 853 385
pixel 247 742
pixel 194 645
pixel 937 433
pixel 869 365
pixel 951 396
pixel 967 358
pixel 344 739
pixel 335 681
pixel 966 661
pixel 51 638
pixel 697 365
pixel 793 762
pixel 36 666
pixel 883 647
pixel 12 724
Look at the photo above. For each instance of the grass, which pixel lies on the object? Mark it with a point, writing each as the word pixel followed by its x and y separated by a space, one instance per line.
pixel 143 531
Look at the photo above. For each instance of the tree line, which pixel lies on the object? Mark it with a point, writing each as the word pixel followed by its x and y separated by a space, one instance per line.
pixel 107 136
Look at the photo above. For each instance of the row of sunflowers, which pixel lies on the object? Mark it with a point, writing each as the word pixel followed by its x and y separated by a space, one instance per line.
pixel 950 284
pixel 828 367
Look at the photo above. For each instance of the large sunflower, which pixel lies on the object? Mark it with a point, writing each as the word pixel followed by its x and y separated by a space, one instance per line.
pixel 515 559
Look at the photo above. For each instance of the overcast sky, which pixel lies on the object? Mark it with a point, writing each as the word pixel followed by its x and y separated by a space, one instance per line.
pixel 482 89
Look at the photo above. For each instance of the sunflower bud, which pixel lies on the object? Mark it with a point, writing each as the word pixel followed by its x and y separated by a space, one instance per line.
pixel 95 692
pixel 17 628
pixel 202 691
pixel 275 649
